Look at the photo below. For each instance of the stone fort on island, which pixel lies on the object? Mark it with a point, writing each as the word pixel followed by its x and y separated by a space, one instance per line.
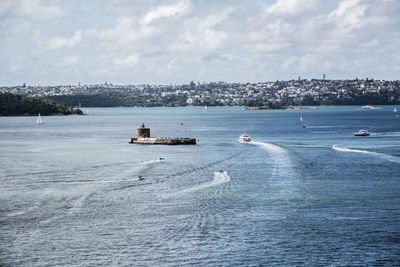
pixel 143 137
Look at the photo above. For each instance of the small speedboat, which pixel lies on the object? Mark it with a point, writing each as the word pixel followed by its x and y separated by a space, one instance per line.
pixel 221 171
pixel 140 178
pixel 160 159
pixel 244 138
pixel 304 126
pixel 362 133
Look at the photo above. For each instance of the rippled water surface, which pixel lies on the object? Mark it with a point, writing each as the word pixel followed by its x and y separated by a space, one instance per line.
pixel 70 195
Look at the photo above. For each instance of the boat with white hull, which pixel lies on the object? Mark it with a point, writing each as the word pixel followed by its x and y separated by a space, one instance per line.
pixel 244 138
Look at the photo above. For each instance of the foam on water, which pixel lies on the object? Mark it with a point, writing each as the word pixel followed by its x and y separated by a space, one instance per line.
pixel 282 173
pixel 219 178
pixel 378 155
pixel 76 205
pixel 269 147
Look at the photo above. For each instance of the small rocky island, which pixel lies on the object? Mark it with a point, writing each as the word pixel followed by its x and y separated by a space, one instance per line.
pixel 143 137
pixel 20 105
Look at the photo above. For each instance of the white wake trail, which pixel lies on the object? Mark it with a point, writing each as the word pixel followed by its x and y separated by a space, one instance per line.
pixel 375 154
pixel 269 147
pixel 219 178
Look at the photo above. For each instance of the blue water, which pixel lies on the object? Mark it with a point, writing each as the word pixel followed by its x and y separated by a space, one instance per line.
pixel 70 196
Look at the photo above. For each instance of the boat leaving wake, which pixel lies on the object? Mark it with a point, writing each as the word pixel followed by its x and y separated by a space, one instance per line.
pixel 379 155
pixel 219 178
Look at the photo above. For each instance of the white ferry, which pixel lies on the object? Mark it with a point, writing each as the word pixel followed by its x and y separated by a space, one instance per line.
pixel 244 138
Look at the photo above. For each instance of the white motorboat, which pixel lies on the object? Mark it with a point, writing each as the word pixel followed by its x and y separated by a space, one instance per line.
pixel 244 138
pixel 160 159
pixel 362 133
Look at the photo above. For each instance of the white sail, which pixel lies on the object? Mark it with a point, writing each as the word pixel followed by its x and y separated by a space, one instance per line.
pixel 205 108
pixel 301 118
pixel 395 110
pixel 39 119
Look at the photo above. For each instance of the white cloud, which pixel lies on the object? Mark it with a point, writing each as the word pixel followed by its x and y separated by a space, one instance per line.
pixel 349 15
pixel 178 39
pixel 165 11
pixel 269 47
pixel 371 43
pixel 202 34
pixel 292 7
pixel 6 6
pixel 127 62
pixel 68 61
pixel 125 35
pixel 15 68
pixel 36 9
pixel 63 42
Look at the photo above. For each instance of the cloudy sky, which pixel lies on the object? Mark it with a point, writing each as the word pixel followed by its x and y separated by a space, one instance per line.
pixel 50 42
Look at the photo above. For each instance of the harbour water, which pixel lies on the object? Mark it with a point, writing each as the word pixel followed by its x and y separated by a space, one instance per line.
pixel 70 195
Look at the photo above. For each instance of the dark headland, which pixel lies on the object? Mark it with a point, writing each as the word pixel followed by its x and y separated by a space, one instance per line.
pixel 20 105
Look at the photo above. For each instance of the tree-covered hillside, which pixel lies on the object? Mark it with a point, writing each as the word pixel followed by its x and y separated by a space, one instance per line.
pixel 17 105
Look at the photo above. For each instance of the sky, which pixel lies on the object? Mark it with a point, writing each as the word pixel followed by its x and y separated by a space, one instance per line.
pixel 52 42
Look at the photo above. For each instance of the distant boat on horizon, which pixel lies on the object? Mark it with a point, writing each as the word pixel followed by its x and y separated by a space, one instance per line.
pixel 367 107
pixel 301 118
pixel 205 108
pixel 39 120
pixel 395 110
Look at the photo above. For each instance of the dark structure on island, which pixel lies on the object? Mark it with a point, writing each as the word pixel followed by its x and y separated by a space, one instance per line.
pixel 143 137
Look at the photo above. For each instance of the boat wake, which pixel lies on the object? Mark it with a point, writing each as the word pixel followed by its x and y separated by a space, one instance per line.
pixel 280 173
pixel 391 134
pixel 376 154
pixel 269 147
pixel 320 127
pixel 219 178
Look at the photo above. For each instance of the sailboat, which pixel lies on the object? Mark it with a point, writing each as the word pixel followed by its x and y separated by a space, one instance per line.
pixel 395 110
pixel 301 118
pixel 39 120
pixel 205 108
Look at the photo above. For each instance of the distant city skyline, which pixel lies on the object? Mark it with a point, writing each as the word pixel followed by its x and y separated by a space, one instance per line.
pixel 175 41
